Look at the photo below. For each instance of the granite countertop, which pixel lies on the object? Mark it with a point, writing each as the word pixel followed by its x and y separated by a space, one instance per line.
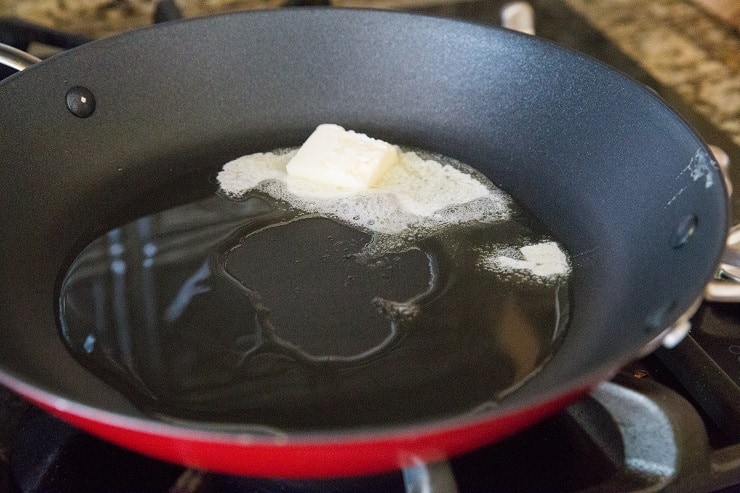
pixel 679 44
pixel 682 47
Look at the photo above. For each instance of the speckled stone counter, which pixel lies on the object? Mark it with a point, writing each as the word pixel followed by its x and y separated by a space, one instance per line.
pixel 97 18
pixel 677 43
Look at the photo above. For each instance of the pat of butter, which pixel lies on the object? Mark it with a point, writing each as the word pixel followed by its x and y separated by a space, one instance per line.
pixel 334 156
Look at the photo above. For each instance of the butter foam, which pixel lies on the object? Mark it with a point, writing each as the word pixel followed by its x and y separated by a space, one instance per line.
pixel 423 193
pixel 543 260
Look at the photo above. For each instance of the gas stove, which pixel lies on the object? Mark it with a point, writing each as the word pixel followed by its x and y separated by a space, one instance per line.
pixel 670 422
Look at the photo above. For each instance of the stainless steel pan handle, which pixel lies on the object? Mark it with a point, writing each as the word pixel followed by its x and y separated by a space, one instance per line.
pixel 15 58
pixel 726 288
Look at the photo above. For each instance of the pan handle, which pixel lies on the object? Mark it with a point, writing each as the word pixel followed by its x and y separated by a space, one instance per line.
pixel 726 287
pixel 15 58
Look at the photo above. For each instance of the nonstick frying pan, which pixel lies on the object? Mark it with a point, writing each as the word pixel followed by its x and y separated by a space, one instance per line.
pixel 629 189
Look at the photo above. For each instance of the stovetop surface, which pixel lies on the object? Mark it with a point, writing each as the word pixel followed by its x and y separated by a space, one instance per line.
pixel 594 445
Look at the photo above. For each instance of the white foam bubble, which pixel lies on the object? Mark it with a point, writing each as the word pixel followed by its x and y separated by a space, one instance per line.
pixel 418 193
pixel 543 260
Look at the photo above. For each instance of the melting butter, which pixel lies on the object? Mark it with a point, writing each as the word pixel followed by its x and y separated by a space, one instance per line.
pixel 337 157
pixel 420 192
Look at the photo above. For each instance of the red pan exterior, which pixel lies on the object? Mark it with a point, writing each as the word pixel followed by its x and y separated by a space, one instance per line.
pixel 319 458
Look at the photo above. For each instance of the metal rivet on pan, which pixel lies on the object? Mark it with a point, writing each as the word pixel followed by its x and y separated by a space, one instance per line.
pixel 80 101
pixel 684 230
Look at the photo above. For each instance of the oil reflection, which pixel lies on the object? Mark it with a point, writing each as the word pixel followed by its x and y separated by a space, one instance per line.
pixel 128 293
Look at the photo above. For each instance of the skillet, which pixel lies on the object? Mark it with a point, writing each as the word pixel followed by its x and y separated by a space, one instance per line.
pixel 621 181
